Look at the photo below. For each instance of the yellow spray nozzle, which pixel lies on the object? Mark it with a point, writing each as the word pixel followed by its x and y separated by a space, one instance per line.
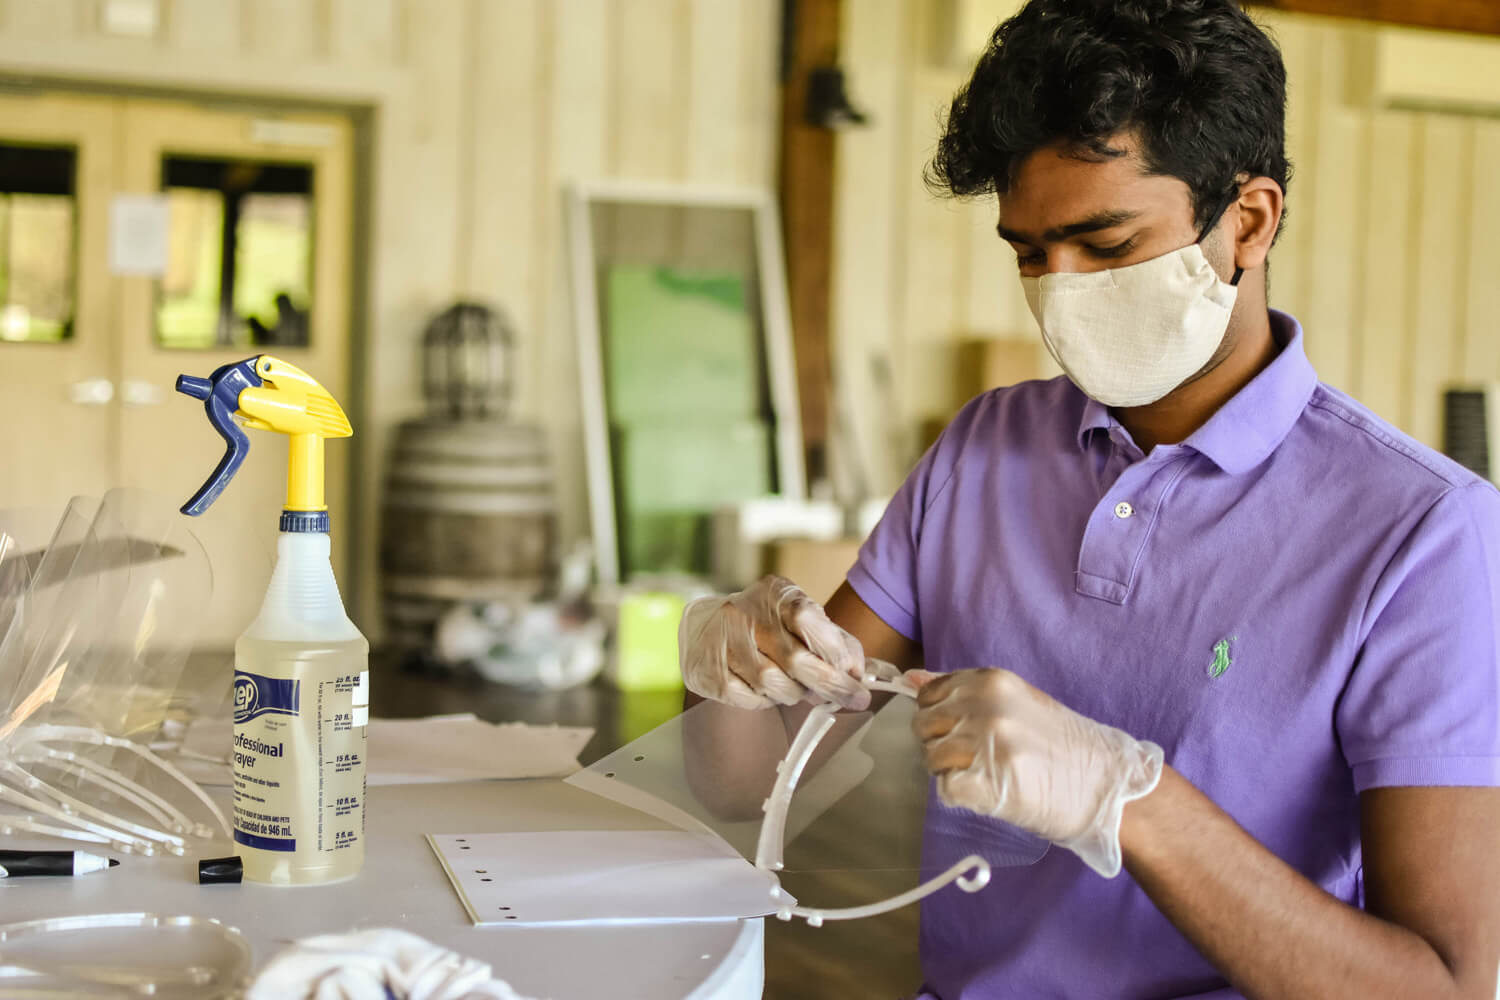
pixel 269 394
pixel 292 402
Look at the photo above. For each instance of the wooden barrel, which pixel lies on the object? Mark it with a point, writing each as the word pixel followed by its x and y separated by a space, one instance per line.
pixel 469 514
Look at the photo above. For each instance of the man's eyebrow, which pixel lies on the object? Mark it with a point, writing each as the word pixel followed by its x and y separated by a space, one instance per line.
pixel 1092 224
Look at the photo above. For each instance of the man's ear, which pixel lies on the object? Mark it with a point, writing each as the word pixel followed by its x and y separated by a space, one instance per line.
pixel 1256 219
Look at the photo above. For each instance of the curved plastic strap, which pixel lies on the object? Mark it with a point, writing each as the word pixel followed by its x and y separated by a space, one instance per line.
pixel 82 734
pixel 771 845
pixel 768 849
pixel 147 801
pixel 122 841
pixel 75 807
pixel 192 786
pixel 10 824
pixel 971 874
pixel 893 687
pixel 221 395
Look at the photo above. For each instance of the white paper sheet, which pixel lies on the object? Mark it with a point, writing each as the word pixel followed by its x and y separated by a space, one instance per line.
pixel 414 751
pixel 601 877
pixel 138 232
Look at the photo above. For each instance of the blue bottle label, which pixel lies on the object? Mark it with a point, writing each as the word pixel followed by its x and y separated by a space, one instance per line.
pixel 255 696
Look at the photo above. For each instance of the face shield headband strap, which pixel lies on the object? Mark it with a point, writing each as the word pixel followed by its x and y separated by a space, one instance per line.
pixel 970 874
pixel 1219 217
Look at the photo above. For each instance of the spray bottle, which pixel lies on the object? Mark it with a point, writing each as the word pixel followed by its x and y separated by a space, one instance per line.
pixel 301 670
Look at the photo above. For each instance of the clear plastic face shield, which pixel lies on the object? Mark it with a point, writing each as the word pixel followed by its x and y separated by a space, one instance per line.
pixel 123 954
pixel 837 804
pixel 96 623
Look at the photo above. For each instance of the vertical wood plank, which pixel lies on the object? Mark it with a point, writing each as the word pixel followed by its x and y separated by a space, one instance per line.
pixel 760 89
pixel 1331 315
pixel 1332 167
pixel 937 233
pixel 718 113
pixel 1481 354
pixel 433 166
pixel 363 32
pixel 1386 267
pixel 651 91
pixel 715 129
pixel 650 133
pixel 577 33
pixel 88 19
pixel 891 381
pixel 505 93
pixel 204 25
pixel 41 20
pixel 582 56
pixel 1300 46
pixel 869 190
pixel 289 29
pixel 1438 265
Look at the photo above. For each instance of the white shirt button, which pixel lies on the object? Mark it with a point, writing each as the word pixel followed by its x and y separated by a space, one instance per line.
pixel 1123 510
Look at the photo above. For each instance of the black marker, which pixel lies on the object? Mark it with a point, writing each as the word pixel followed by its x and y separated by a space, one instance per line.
pixel 14 864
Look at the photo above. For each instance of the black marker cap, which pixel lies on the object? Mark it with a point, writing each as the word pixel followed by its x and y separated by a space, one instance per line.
pixel 216 871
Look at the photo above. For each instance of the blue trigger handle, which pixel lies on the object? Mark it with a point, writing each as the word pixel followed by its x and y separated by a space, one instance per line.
pixel 220 393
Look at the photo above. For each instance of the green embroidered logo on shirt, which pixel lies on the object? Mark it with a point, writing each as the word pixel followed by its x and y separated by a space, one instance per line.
pixel 1222 660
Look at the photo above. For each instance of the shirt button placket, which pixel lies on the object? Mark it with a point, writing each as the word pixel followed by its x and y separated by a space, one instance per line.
pixel 1119 528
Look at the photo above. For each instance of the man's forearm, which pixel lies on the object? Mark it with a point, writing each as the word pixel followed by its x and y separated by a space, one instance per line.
pixel 1268 929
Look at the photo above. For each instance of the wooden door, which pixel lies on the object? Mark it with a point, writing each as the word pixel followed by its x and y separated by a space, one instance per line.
pixel 258 262
pixel 58 336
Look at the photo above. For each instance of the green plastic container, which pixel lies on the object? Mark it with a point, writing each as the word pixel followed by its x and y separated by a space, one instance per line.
pixel 646 642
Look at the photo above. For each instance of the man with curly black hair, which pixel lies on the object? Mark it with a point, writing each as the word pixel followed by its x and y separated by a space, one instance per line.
pixel 1266 622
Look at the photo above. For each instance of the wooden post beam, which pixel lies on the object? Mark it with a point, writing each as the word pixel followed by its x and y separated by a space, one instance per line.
pixel 811 38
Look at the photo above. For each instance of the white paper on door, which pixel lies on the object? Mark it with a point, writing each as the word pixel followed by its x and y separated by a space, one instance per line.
pixel 139 225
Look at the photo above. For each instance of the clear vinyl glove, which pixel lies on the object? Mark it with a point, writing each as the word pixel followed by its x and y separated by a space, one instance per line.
pixel 1004 749
pixel 770 644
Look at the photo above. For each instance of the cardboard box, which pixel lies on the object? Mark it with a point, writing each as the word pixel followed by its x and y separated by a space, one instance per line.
pixel 817 566
pixel 741 531
pixel 988 363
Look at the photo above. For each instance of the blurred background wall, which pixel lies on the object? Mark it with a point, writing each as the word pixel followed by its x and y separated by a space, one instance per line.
pixel 474 113
pixel 1389 256
pixel 470 115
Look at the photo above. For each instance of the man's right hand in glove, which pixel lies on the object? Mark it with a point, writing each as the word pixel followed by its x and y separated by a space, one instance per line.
pixel 770 644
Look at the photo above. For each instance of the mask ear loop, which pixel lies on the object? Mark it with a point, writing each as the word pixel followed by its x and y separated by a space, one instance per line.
pixel 1239 272
pixel 971 874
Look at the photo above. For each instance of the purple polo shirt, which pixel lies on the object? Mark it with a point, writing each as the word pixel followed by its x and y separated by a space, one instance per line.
pixel 1298 603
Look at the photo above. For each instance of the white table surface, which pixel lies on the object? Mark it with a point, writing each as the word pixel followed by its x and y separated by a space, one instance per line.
pixel 402 885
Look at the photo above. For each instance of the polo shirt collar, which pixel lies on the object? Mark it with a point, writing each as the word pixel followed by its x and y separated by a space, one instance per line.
pixel 1254 421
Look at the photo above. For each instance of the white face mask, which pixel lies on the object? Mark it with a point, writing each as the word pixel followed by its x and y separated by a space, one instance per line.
pixel 1129 336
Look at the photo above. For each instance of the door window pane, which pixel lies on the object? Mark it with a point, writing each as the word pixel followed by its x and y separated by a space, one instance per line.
pixel 38 242
pixel 239 258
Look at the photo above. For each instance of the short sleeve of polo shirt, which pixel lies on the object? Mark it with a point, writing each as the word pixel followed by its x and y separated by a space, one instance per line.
pixel 1422 703
pixel 885 574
